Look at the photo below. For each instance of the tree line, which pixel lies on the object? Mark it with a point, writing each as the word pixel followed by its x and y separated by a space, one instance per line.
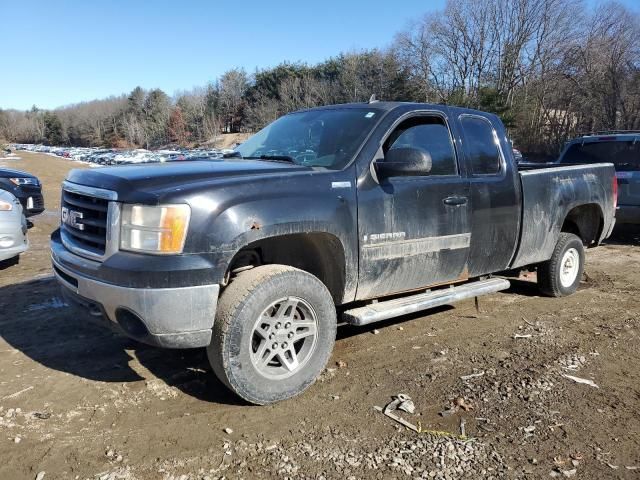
pixel 549 68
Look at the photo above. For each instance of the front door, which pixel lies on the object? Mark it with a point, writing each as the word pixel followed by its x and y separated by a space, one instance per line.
pixel 414 230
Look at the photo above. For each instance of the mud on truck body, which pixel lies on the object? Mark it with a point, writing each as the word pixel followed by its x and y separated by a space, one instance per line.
pixel 355 213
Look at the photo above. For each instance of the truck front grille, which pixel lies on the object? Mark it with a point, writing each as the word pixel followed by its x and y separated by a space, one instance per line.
pixel 84 222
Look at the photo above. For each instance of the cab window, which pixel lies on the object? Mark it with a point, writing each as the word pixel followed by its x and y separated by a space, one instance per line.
pixel 430 134
pixel 480 145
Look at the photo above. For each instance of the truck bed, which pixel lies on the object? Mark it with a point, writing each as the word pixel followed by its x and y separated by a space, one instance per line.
pixel 549 194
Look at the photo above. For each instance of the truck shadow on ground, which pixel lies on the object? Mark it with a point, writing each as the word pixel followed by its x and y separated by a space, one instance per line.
pixel 625 234
pixel 6 264
pixel 35 321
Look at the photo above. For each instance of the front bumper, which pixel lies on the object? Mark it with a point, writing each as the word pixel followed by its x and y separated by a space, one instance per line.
pixel 628 214
pixel 32 204
pixel 31 199
pixel 13 229
pixel 7 253
pixel 180 317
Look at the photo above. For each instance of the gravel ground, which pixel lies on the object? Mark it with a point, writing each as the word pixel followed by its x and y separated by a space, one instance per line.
pixel 80 401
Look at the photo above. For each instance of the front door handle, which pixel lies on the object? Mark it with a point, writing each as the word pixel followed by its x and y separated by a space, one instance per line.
pixel 455 201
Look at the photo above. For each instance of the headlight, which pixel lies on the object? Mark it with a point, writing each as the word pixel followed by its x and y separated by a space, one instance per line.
pixel 25 181
pixel 160 230
pixel 5 206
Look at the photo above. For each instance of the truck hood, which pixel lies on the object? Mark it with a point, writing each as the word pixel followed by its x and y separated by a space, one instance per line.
pixel 152 180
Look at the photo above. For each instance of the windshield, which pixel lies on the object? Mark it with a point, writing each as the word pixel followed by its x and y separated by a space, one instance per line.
pixel 625 156
pixel 316 138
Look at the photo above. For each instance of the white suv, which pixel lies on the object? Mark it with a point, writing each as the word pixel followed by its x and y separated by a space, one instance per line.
pixel 13 227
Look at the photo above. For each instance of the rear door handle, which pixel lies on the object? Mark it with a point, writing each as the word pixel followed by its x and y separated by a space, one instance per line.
pixel 455 201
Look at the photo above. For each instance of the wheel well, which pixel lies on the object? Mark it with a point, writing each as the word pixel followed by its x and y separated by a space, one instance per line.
pixel 585 221
pixel 320 254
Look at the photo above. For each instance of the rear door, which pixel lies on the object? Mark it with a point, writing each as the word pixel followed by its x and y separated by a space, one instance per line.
pixel 494 192
pixel 414 230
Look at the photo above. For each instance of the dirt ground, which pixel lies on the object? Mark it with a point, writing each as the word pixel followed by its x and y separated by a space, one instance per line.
pixel 80 401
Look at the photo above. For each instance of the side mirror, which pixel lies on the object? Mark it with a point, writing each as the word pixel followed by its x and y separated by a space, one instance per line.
pixel 404 162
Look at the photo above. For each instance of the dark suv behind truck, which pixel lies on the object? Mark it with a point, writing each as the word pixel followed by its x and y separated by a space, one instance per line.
pixel 355 213
pixel 25 187
pixel 622 148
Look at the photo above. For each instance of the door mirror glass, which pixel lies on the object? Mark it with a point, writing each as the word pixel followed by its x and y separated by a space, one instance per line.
pixel 404 161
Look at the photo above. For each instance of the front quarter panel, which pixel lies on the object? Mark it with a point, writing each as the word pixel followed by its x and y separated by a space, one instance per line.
pixel 228 217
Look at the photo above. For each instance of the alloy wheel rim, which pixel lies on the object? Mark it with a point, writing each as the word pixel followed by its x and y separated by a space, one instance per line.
pixel 284 338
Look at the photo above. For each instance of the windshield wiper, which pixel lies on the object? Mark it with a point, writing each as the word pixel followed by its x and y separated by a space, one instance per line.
pixel 277 158
pixel 232 155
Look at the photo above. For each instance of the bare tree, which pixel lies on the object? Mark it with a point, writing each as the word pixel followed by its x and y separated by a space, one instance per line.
pixel 549 68
pixel 233 86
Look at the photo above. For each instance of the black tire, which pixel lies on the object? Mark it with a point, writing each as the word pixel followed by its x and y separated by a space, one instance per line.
pixel 549 272
pixel 10 262
pixel 239 307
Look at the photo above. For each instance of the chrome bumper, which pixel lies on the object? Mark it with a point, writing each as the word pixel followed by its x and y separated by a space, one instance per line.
pixel 165 317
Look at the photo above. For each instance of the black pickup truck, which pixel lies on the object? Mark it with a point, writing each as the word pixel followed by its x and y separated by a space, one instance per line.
pixel 354 213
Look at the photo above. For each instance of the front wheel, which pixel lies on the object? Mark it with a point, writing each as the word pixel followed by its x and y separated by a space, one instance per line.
pixel 273 334
pixel 561 274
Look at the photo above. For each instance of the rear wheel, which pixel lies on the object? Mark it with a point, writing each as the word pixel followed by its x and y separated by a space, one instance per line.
pixel 273 333
pixel 561 274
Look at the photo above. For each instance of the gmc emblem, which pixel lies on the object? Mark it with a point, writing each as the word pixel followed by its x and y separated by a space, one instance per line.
pixel 71 217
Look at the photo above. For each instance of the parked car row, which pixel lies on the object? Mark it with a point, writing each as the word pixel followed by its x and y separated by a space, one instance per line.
pixel 21 193
pixel 110 156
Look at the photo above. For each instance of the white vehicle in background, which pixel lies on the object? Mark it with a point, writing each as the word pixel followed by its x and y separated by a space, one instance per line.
pixel 98 156
pixel 13 227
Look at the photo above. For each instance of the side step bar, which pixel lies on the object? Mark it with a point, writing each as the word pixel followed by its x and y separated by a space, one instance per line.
pixel 376 312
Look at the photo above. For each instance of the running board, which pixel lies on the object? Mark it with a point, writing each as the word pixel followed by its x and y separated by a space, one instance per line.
pixel 375 312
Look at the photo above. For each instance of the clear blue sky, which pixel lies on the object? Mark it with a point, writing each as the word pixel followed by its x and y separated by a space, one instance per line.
pixel 60 52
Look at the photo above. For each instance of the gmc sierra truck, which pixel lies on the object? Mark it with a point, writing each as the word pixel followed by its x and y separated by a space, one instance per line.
pixel 349 213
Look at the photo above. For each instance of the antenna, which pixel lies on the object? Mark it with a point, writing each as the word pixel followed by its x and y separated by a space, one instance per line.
pixel 373 99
